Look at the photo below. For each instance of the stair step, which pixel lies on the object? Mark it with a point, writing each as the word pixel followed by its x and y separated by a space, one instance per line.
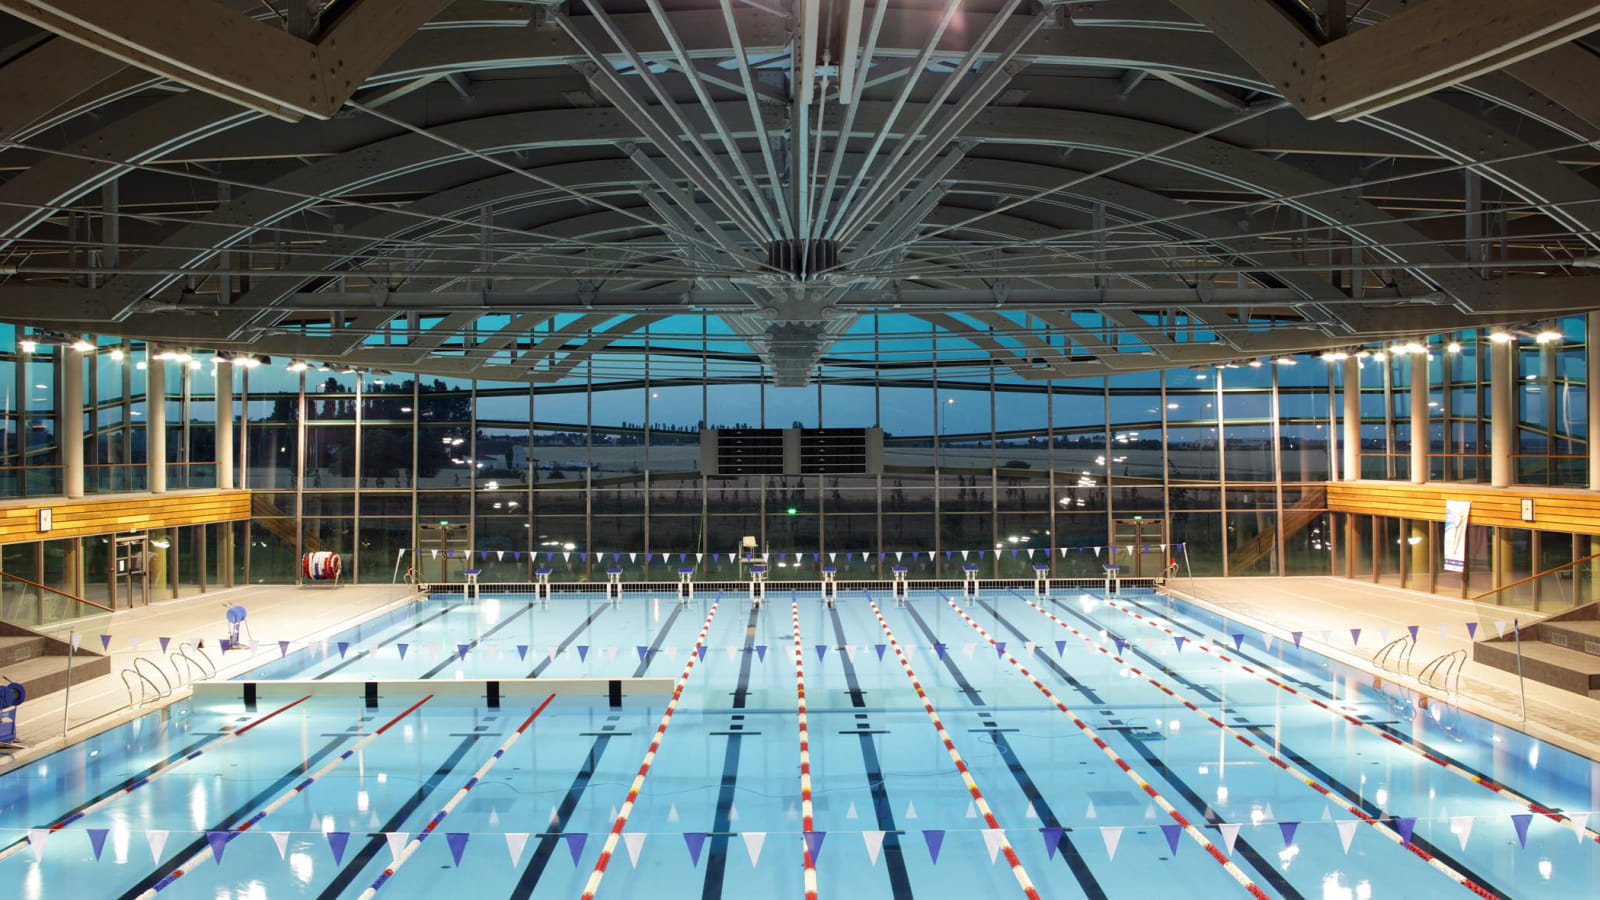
pixel 17 649
pixel 1580 635
pixel 47 674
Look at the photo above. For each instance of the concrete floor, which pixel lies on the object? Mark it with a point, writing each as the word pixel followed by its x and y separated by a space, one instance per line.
pixel 1314 606
pixel 1319 606
pixel 276 613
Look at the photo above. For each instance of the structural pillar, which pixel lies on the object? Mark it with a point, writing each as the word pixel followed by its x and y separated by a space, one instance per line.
pixel 1591 372
pixel 224 440
pixel 1502 424
pixel 1352 419
pixel 155 421
pixel 1420 437
pixel 71 422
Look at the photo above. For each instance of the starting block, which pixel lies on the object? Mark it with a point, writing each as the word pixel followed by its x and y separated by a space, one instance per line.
pixel 685 585
pixel 1113 579
pixel 830 588
pixel 541 587
pixel 614 584
pixel 758 585
pixel 901 588
pixel 472 582
pixel 1041 580
pixel 969 582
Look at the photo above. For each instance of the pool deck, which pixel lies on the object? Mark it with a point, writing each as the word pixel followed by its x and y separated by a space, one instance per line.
pixel 1318 605
pixel 276 612
pixel 1311 605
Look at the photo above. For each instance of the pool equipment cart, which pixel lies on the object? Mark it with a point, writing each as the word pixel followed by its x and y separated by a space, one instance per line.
pixel 236 616
pixel 11 696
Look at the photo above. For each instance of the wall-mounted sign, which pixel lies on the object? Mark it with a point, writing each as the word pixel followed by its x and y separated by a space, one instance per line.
pixel 1527 509
pixel 46 521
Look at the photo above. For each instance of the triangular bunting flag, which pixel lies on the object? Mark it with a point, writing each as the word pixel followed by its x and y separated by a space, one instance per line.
pixel 397 842
pixel 575 842
pixel 1347 832
pixel 1061 647
pixel 515 842
pixel 164 641
pixel 1413 629
pixel 1178 639
pixel 218 840
pixel 934 838
pixel 694 840
pixel 283 647
pixel 1297 635
pixel 634 841
pixel 879 648
pixel 336 842
pixel 1519 821
pixel 992 839
pixel 1172 832
pixel 1000 648
pixel 461 651
pixel 821 649
pixel 1238 642
pixel 105 642
pixel 158 840
pixel 344 647
pixel 1230 834
pixel 874 842
pixel 753 841
pixel 280 839
pixel 939 648
pixel 814 843
pixel 1288 829
pixel 36 839
pixel 1580 825
pixel 458 844
pixel 761 652
pixel 911 810
pixel 1355 636
pixel 1472 630
pixel 1121 645
pixel 1052 839
pixel 1461 827
pixel 402 648
pixel 97 841
pixel 1112 836
pixel 642 651
pixel 583 652
pixel 1405 826
pixel 1500 626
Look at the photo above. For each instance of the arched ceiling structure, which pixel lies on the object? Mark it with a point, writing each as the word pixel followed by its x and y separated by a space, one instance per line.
pixel 509 189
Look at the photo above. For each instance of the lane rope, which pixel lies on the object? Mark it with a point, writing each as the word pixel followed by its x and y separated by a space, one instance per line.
pixel 615 835
pixel 199 856
pixel 807 820
pixel 433 823
pixel 1383 828
pixel 107 800
pixel 1188 827
pixel 1533 806
pixel 979 803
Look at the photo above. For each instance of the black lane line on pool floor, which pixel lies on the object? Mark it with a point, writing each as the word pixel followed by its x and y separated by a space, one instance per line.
pixel 394 639
pixel 1242 847
pixel 1068 850
pixel 1285 751
pixel 722 823
pixel 654 650
pixel 376 841
pixel 893 854
pixel 448 662
pixel 239 814
pixel 550 840
pixel 567 641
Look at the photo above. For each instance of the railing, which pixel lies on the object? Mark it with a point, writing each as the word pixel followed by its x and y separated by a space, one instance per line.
pixel 42 587
pixel 199 661
pixel 1396 655
pixel 132 676
pixel 1444 672
pixel 164 693
pixel 1567 568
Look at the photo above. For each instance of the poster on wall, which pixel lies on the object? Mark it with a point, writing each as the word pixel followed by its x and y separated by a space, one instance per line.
pixel 1455 534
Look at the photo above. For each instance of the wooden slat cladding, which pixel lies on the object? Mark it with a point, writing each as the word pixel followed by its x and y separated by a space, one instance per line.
pixel 1554 509
pixel 19 521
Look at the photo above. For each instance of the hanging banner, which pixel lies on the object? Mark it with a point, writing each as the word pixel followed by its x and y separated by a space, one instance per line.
pixel 1455 534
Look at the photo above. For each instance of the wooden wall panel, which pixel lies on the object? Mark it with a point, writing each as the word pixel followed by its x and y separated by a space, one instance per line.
pixel 19 520
pixel 1554 509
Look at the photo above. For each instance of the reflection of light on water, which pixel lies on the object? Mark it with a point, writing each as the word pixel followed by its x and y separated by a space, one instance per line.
pixel 363 801
pixel 1382 797
pixel 1222 794
pixel 300 867
pixel 1545 869
pixel 328 825
pixel 33 883
pixel 1257 815
pixel 255 890
pixel 197 805
pixel 1287 855
pixel 119 841
pixel 1533 757
pixel 491 610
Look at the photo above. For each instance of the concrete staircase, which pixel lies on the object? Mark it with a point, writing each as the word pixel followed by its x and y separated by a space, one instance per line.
pixel 1563 651
pixel 39 663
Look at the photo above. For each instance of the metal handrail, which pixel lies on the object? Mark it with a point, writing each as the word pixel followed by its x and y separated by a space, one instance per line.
pixel 45 587
pixel 1402 648
pixel 165 680
pixel 1522 581
pixel 136 703
pixel 182 653
pixel 1447 669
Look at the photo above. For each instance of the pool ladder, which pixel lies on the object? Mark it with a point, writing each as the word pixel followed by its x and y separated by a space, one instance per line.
pixel 140 677
pixel 1396 655
pixel 1444 672
pixel 196 659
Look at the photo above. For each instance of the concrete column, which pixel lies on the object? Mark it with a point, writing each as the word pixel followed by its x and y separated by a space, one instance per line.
pixel 1502 424
pixel 1352 419
pixel 224 440
pixel 71 422
pixel 1591 375
pixel 1419 418
pixel 155 424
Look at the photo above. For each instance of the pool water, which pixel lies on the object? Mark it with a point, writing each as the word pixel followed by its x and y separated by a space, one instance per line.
pixel 1345 789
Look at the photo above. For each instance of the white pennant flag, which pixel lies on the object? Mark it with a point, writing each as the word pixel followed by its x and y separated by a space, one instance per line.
pixel 611 652
pixel 865 556
pixel 1088 812
pixel 832 557
pixel 1580 825
pixel 1097 554
pixel 910 651
pixel 874 842
pixel 968 648
pixel 733 812
pixel 992 839
pixel 1500 626
pixel 36 839
pixel 1444 630
pixel 550 651
pixel 699 557
pixel 494 816
pixel 500 556
pixel 972 810
pixel 1461 827
pixel 435 553
pixel 752 844
pixel 633 557
pixel 515 842
pixel 133 643
pixel 566 556
pixel 1063 552
pixel 397 842
pixel 158 840
pixel 1030 646
pixel 1030 814
pixel 1112 835
pixel 964 553
pixel 851 812
pixel 1383 635
pixel 1347 832
pixel 1230 834
pixel 75 640
pixel 850 652
pixel 634 840
pixel 732 651
pixel 898 555
pixel 1030 553
pixel 280 839
pixel 672 654
pixel 672 812
pixel 1266 642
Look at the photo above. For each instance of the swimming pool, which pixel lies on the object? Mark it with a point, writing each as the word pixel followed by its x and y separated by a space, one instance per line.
pixel 1072 746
